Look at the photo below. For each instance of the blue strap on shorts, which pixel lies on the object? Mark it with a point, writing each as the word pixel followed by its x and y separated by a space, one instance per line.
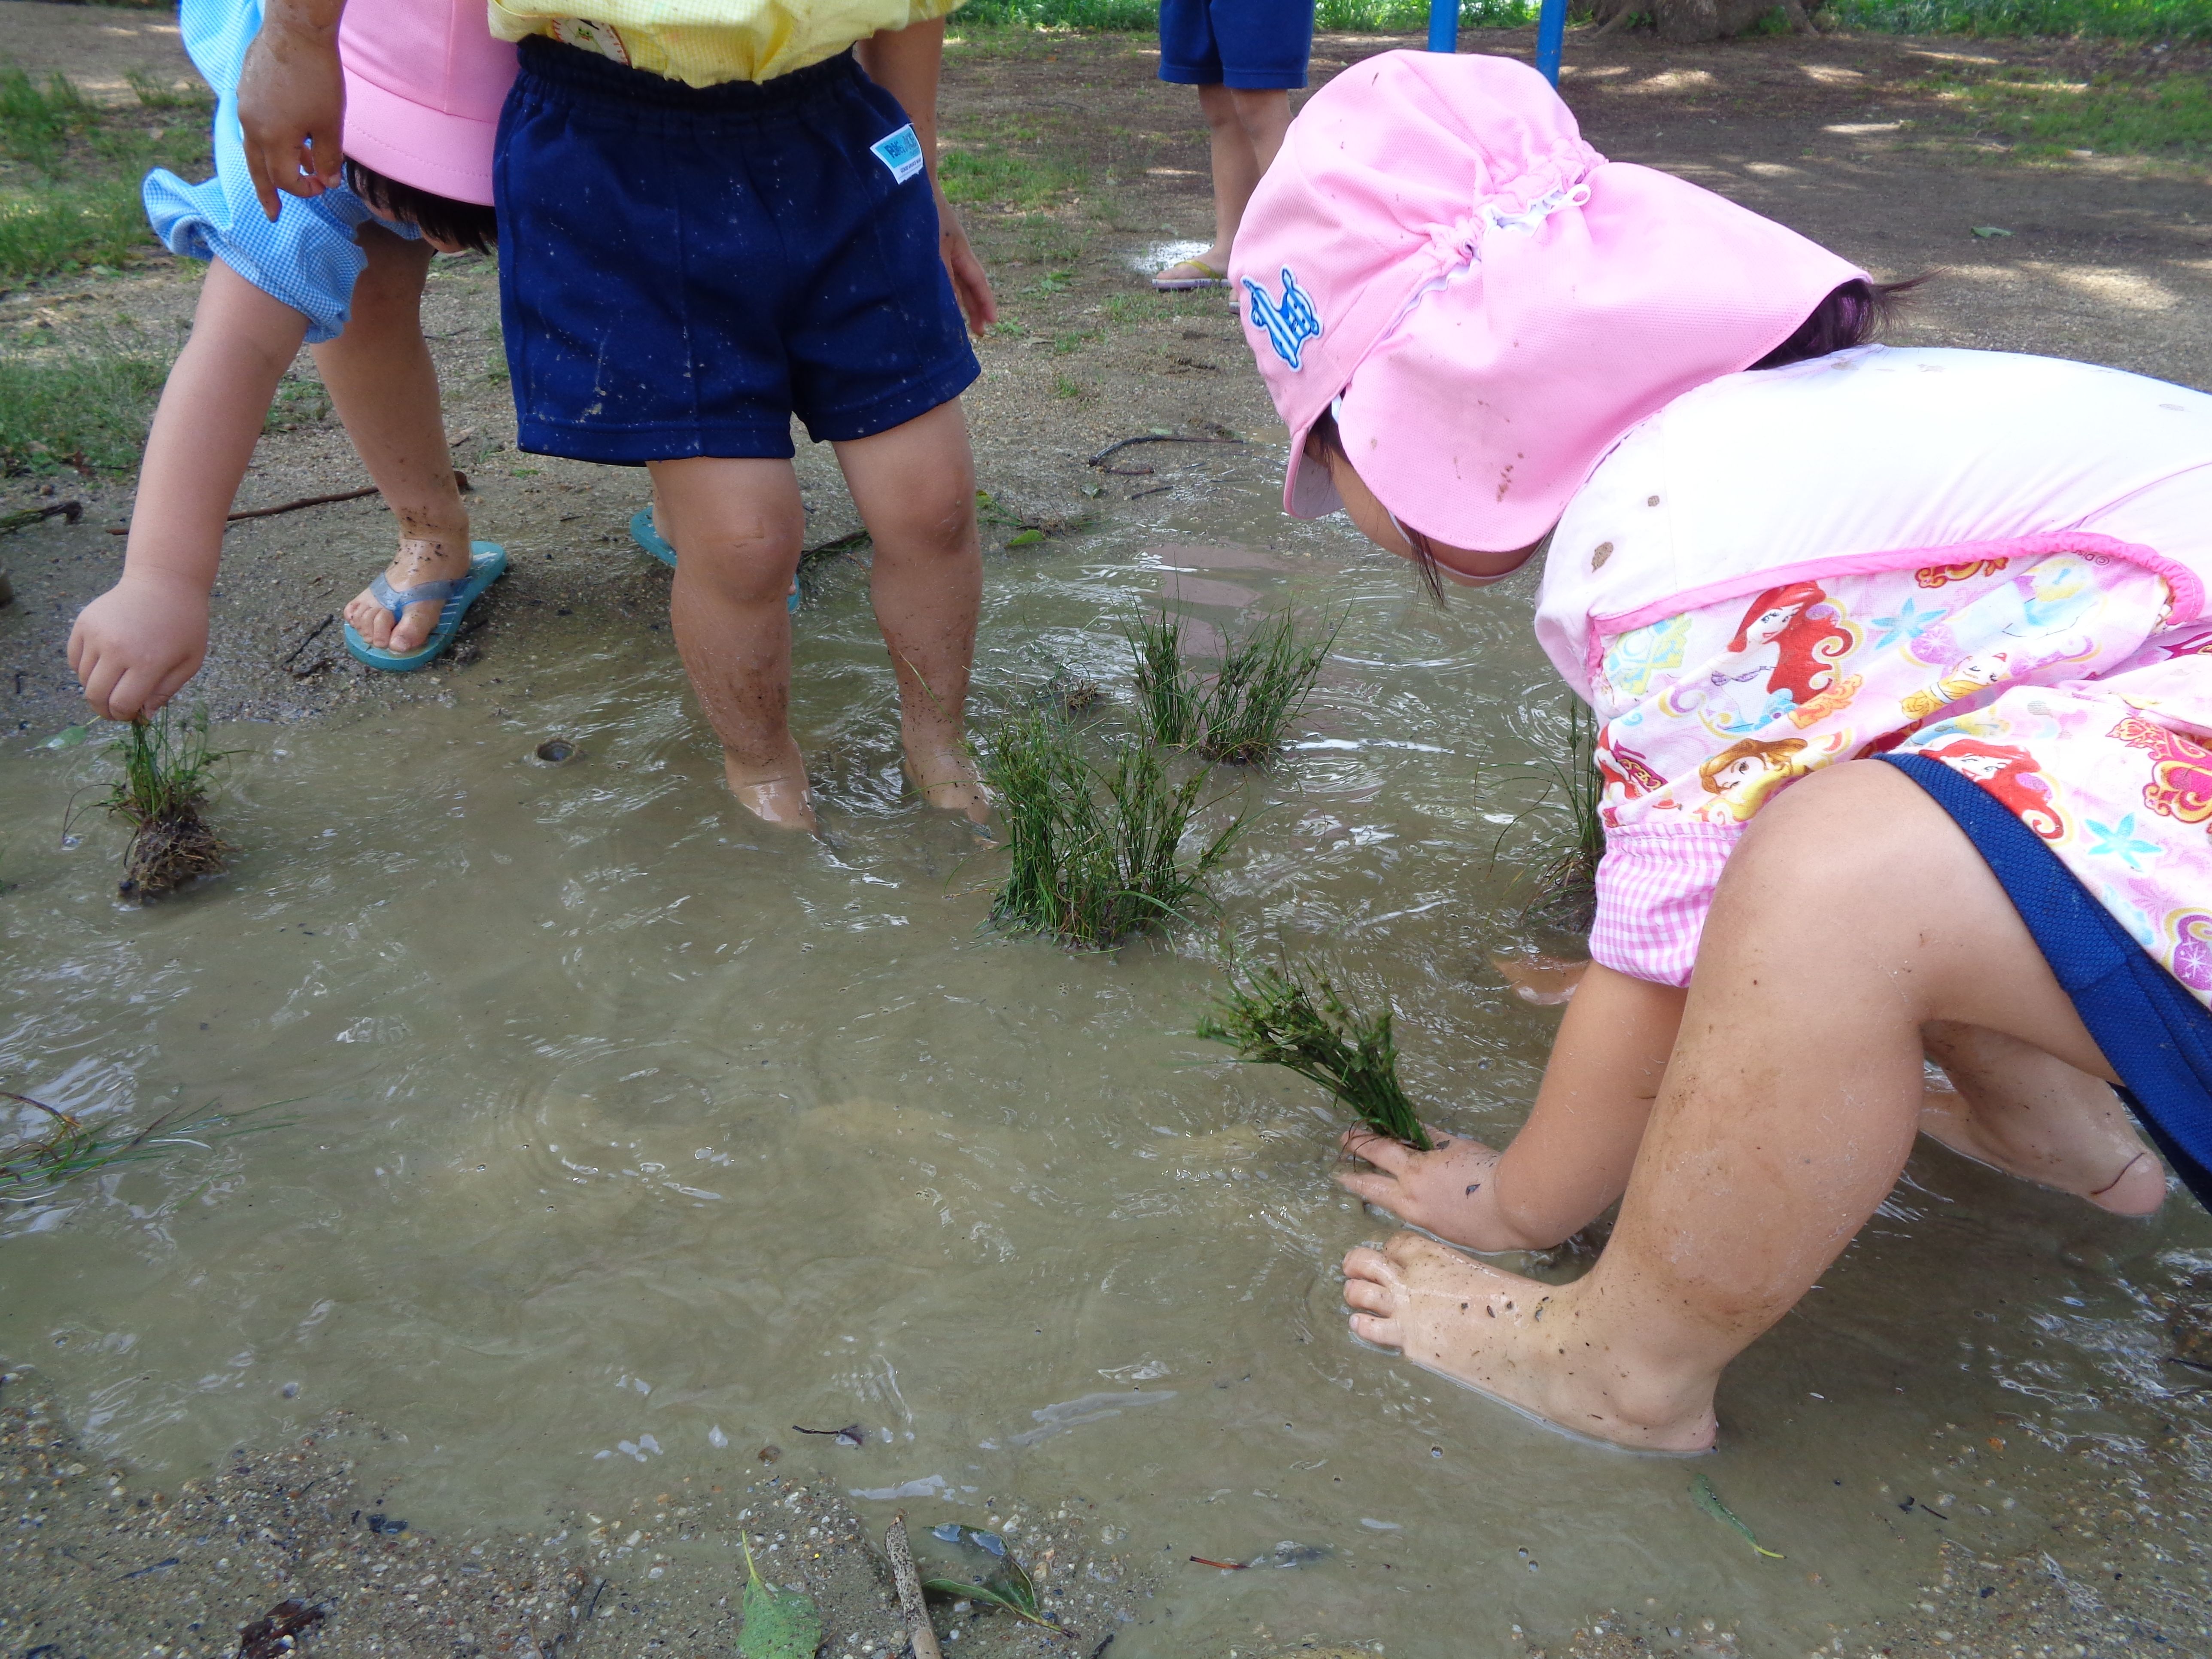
pixel 2153 1032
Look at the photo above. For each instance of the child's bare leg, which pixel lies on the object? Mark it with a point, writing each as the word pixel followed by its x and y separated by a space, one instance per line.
pixel 1788 1109
pixel 916 488
pixel 1572 1157
pixel 385 387
pixel 737 526
pixel 135 646
pixel 2028 1113
pixel 1246 129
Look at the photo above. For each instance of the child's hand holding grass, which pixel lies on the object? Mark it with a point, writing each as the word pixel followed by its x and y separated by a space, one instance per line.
pixel 134 648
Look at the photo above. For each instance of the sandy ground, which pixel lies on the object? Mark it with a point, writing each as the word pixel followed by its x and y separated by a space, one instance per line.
pixel 96 1564
pixel 2110 259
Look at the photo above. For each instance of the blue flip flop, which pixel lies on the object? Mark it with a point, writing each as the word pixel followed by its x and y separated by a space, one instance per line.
pixel 642 532
pixel 487 564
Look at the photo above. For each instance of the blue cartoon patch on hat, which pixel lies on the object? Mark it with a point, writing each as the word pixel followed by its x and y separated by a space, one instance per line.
pixel 1288 322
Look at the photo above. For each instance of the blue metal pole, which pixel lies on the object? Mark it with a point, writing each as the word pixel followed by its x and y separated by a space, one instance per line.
pixel 1551 37
pixel 1443 25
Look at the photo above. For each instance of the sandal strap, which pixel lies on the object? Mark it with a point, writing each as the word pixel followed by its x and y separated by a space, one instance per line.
pixel 396 600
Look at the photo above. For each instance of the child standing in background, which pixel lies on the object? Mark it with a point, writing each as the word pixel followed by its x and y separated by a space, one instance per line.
pixel 717 213
pixel 423 82
pixel 1245 58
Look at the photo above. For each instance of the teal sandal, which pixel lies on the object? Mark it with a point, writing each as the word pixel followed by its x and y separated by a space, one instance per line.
pixel 454 595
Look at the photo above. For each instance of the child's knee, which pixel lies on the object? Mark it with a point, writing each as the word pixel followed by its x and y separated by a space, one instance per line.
pixel 745 561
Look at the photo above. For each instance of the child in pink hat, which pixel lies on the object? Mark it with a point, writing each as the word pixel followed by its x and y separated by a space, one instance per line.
pixel 343 272
pixel 1904 672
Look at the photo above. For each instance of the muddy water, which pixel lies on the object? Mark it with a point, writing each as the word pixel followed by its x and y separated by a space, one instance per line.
pixel 626 1134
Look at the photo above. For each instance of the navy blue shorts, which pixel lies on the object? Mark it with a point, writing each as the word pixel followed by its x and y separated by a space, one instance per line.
pixel 683 268
pixel 1252 44
pixel 2155 1034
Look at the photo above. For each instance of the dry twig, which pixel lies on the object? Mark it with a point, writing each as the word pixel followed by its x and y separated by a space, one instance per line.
pixel 919 1630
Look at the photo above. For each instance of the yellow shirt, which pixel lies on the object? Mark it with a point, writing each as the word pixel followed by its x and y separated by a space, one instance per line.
pixel 706 42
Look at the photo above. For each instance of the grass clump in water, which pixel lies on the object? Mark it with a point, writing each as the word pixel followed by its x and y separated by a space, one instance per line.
pixel 1243 716
pixel 1288 1016
pixel 166 767
pixel 1097 851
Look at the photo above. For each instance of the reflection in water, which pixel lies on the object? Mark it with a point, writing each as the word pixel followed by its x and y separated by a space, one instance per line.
pixel 635 1134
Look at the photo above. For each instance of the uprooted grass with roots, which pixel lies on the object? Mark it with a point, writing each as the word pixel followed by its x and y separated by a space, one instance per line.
pixel 166 767
pixel 1097 851
pixel 1294 1017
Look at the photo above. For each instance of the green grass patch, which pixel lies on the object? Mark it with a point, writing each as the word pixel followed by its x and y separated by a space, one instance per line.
pixel 985 171
pixel 1097 851
pixel 1293 1017
pixel 70 194
pixel 2043 113
pixel 81 411
pixel 2137 20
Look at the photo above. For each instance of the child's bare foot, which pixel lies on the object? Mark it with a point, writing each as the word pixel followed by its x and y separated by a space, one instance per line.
pixel 1451 1192
pixel 946 779
pixel 1547 981
pixel 2094 1154
pixel 776 793
pixel 420 559
pixel 1532 1345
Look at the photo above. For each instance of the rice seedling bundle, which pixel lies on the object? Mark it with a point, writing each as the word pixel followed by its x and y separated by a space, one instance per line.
pixel 1291 1017
pixel 1096 852
pixel 1567 886
pixel 1169 700
pixel 1241 714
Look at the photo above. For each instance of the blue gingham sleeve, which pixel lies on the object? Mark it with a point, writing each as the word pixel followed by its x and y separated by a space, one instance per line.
pixel 308 259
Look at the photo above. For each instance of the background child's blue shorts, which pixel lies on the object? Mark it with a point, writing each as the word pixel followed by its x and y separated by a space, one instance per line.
pixel 682 268
pixel 1252 44
pixel 2155 1034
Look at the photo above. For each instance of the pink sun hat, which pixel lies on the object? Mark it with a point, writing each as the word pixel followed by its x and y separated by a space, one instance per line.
pixel 1494 302
pixel 424 81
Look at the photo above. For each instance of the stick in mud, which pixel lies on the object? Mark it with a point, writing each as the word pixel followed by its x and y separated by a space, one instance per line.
pixel 919 1630
pixel 1099 459
pixel 461 479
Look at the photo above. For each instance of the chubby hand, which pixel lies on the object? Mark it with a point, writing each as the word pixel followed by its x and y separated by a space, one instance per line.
pixel 291 108
pixel 134 648
pixel 1451 1192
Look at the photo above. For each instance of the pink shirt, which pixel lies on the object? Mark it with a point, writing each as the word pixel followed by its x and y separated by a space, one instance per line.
pixel 1786 569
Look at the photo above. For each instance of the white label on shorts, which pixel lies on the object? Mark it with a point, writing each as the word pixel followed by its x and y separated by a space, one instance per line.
pixel 901 153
